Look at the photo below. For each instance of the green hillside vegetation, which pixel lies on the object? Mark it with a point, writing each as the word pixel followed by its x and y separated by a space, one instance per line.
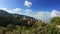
pixel 15 25
pixel 5 20
pixel 21 24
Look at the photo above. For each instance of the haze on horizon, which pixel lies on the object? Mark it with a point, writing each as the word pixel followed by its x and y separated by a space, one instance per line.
pixel 40 9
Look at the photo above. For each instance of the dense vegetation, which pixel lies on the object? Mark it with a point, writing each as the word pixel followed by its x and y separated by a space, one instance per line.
pixel 21 24
pixel 16 25
pixel 5 20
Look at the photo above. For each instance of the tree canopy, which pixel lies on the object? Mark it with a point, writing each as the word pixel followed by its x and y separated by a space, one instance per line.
pixel 55 20
pixel 17 25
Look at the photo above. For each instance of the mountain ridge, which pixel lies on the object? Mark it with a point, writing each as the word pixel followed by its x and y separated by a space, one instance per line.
pixel 5 13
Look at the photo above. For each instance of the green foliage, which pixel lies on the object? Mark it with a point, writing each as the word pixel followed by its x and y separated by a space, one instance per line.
pixel 11 27
pixel 2 30
pixel 16 25
pixel 55 20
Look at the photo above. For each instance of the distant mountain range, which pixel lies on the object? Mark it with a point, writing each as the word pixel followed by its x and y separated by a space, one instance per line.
pixel 5 13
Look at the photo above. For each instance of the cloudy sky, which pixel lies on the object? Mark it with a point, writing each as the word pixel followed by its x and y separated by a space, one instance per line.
pixel 39 9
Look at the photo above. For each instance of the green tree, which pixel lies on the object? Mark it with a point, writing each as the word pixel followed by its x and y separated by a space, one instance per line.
pixel 55 20
pixel 11 27
pixel 2 30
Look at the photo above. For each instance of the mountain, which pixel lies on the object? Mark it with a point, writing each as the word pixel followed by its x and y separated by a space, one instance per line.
pixel 5 13
pixel 19 19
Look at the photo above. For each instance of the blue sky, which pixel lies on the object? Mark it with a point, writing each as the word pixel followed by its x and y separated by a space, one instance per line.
pixel 45 5
pixel 39 9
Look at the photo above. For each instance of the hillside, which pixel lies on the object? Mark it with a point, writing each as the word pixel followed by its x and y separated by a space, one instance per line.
pixel 16 19
pixel 5 13
pixel 22 24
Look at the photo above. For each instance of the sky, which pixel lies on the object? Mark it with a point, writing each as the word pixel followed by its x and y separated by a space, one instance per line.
pixel 39 9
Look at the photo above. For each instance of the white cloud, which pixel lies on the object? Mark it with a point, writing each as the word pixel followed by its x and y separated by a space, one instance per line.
pixel 28 11
pixel 45 16
pixel 3 9
pixel 27 3
pixel 17 9
pixel 10 11
pixel 42 15
pixel 7 10
pixel 55 13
